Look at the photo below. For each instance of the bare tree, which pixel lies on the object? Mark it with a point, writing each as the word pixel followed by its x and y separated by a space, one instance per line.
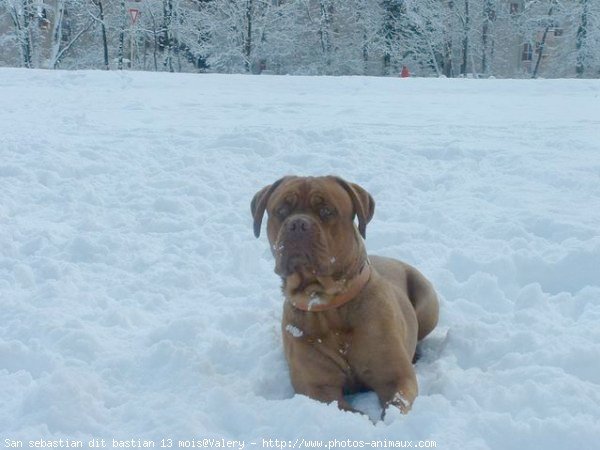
pixel 466 22
pixel 248 34
pixel 20 12
pixel 487 35
pixel 66 31
pixel 168 36
pixel 431 37
pixel 101 19
pixel 326 31
pixel 542 45
pixel 582 34
pixel 121 25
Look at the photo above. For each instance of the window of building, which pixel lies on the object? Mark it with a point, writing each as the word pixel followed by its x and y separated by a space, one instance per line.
pixel 527 54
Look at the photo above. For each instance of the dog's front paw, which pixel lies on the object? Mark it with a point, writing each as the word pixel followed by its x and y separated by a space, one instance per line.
pixel 400 402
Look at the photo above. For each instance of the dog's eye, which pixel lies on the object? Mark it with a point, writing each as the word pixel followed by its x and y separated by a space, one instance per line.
pixel 326 212
pixel 282 212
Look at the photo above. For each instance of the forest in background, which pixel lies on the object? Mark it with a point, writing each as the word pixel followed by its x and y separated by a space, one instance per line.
pixel 474 38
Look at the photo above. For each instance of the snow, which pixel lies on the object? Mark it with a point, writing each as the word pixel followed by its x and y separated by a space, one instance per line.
pixel 135 303
pixel 294 331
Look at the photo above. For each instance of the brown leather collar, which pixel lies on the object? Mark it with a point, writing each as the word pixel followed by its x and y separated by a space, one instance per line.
pixel 352 289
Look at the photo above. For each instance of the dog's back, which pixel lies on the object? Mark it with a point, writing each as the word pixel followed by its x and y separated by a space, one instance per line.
pixel 417 288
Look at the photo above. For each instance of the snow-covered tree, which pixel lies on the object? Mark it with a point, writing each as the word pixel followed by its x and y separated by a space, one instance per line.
pixel 69 22
pixel 376 37
pixel 232 33
pixel 585 32
pixel 99 17
pixel 24 18
pixel 414 35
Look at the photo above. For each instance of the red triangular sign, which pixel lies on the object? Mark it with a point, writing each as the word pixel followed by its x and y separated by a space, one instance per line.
pixel 134 13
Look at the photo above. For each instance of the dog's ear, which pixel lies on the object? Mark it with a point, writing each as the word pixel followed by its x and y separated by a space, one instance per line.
pixel 259 204
pixel 364 205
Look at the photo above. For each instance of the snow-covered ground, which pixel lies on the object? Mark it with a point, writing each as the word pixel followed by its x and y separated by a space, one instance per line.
pixel 135 302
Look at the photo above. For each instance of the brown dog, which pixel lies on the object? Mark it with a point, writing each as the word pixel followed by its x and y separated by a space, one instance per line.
pixel 350 321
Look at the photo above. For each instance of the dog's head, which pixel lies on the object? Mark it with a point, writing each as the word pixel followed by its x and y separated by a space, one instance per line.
pixel 311 229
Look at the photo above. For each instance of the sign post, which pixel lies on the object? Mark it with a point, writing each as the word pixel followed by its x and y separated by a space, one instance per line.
pixel 134 14
pixel 134 10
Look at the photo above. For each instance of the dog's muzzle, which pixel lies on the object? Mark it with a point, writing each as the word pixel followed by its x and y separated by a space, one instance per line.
pixel 298 245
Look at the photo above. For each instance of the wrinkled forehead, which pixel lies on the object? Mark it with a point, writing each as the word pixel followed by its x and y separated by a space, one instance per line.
pixel 308 192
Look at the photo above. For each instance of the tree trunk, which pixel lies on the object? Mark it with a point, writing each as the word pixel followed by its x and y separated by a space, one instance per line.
pixel 365 54
pixel 23 33
pixel 57 35
pixel 361 18
pixel 121 49
pixel 434 61
pixel 581 39
pixel 448 63
pixel 168 34
pixel 248 36
pixel 325 31
pixel 465 52
pixel 104 38
pixel 389 27
pixel 387 62
pixel 541 47
pixel 486 36
pixel 155 39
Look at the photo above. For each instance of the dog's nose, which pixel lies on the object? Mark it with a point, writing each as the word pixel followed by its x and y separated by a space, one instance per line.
pixel 299 226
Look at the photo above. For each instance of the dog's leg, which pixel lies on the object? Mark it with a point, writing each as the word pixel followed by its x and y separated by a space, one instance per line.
pixel 316 371
pixel 400 391
pixel 328 394
pixel 396 384
pixel 400 394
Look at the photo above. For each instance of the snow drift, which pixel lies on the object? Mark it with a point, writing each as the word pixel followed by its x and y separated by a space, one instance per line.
pixel 135 303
